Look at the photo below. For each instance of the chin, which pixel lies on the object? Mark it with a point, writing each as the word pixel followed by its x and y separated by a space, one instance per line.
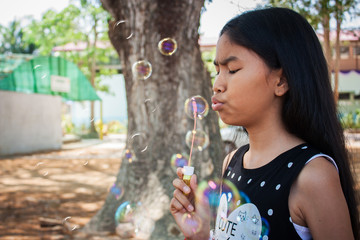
pixel 229 121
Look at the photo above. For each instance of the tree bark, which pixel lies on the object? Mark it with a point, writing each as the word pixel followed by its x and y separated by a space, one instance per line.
pixel 337 61
pixel 327 46
pixel 338 16
pixel 92 68
pixel 163 123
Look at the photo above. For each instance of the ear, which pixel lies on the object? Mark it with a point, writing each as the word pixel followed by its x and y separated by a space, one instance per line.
pixel 281 84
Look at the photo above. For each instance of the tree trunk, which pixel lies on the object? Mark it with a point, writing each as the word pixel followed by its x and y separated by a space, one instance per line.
pixel 338 17
pixel 337 61
pixel 156 107
pixel 93 132
pixel 327 46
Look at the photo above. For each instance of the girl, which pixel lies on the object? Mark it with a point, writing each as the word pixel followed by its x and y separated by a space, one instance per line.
pixel 273 80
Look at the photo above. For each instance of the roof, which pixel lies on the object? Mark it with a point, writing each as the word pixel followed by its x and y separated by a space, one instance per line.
pixel 80 46
pixel 345 35
pixel 45 75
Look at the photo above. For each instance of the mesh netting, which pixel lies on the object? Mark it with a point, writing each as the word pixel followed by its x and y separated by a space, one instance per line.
pixel 22 73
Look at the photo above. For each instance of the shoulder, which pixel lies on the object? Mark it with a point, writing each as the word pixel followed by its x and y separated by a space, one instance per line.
pixel 319 178
pixel 319 172
pixel 316 199
pixel 234 154
pixel 227 160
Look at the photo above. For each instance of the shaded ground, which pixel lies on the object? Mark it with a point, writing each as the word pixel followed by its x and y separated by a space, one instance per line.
pixel 52 195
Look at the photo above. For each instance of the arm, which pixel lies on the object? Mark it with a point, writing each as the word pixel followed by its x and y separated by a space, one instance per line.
pixel 192 217
pixel 183 203
pixel 316 200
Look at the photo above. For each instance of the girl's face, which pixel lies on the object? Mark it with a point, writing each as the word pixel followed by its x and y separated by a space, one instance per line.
pixel 245 89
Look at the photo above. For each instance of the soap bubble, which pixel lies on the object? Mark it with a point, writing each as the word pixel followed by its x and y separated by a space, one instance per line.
pixel 125 212
pixel 144 226
pixel 75 227
pixel 128 220
pixel 211 191
pixel 201 139
pixel 196 106
pixel 179 160
pixel 117 190
pixel 70 226
pixel 243 199
pixel 167 46
pixel 129 155
pixel 123 29
pixel 40 71
pixel 193 221
pixel 265 229
pixel 41 169
pixel 150 105
pixel 65 219
pixel 138 142
pixel 38 164
pixel 141 69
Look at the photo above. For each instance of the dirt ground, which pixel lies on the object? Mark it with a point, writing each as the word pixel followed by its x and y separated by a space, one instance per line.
pixel 52 195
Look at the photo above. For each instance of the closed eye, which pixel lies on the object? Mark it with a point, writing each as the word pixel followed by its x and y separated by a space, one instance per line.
pixel 232 72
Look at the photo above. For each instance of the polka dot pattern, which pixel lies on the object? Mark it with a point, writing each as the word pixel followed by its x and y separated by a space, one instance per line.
pixel 265 184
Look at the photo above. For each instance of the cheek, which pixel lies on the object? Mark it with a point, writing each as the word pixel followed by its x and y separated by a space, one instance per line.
pixel 252 95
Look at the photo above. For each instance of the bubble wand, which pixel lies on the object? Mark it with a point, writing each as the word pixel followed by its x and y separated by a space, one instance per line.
pixel 189 170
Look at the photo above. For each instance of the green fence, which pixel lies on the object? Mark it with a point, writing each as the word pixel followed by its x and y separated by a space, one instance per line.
pixel 45 75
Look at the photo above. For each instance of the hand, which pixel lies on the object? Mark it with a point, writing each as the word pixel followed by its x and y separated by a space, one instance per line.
pixel 192 217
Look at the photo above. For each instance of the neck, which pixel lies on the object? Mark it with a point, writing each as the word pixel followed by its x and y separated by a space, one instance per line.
pixel 267 143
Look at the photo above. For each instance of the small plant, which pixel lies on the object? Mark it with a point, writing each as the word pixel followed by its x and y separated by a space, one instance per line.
pixel 351 120
pixel 114 127
pixel 66 124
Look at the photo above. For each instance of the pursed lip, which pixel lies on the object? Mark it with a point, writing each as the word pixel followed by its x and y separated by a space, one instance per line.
pixel 216 104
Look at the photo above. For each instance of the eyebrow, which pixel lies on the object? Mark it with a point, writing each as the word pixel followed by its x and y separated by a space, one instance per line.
pixel 226 61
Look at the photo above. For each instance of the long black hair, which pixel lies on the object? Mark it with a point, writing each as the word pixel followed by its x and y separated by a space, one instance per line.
pixel 284 39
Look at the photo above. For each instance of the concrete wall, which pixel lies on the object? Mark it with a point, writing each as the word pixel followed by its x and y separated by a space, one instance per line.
pixel 29 123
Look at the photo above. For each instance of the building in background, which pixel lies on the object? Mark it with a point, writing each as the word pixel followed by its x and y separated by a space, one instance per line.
pixel 31 92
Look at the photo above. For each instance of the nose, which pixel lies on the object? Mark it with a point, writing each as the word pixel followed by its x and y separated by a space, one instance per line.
pixel 218 86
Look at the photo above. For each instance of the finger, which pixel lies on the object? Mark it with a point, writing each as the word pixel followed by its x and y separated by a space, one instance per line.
pixel 193 183
pixel 176 206
pixel 179 184
pixel 183 200
pixel 180 172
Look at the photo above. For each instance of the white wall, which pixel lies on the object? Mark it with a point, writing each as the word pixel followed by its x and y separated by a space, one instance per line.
pixel 114 104
pixel 348 82
pixel 29 123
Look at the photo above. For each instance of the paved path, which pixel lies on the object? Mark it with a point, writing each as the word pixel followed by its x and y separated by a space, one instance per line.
pixel 67 185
